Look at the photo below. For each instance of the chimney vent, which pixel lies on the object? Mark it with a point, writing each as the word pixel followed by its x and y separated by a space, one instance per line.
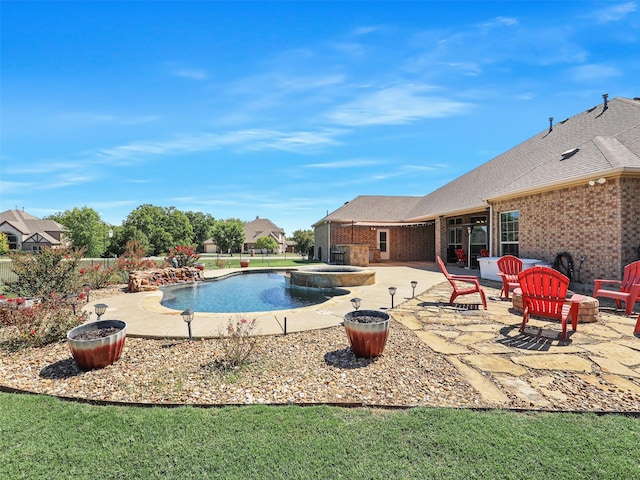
pixel 550 124
pixel 605 96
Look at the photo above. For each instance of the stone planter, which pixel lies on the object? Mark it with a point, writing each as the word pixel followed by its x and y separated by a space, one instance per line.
pixel 97 351
pixel 367 331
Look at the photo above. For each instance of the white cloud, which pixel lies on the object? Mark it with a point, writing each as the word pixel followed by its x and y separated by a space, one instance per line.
pixel 614 12
pixel 395 105
pixel 356 162
pixel 588 73
pixel 189 73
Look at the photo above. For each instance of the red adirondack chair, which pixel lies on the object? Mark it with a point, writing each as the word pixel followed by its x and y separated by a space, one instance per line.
pixel 484 252
pixel 509 267
pixel 471 284
pixel 461 256
pixel 629 291
pixel 636 330
pixel 544 293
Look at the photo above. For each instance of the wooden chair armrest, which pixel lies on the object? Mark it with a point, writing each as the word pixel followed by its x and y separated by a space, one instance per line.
pixel 576 298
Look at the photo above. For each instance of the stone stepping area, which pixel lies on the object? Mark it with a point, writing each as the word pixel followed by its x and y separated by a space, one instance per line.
pixel 534 369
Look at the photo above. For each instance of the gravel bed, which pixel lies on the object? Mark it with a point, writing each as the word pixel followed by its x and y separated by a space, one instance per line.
pixel 303 368
pixel 309 367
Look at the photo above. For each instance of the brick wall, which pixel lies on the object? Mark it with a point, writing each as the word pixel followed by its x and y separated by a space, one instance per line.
pixel 408 244
pixel 582 220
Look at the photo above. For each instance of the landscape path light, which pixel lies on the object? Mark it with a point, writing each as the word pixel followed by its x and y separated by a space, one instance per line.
pixel 356 303
pixel 100 309
pixel 392 292
pixel 187 316
pixel 414 284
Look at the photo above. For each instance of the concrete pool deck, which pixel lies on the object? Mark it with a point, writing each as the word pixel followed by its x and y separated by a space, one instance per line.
pixel 533 368
pixel 146 317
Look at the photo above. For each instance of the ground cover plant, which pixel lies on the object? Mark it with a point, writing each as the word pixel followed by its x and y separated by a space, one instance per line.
pixel 43 437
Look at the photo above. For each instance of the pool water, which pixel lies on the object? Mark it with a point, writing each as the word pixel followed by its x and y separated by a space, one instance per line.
pixel 249 292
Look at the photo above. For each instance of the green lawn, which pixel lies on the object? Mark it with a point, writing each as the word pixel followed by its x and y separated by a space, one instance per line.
pixel 42 437
pixel 256 261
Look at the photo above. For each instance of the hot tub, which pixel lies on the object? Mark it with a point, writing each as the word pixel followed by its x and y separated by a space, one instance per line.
pixel 331 276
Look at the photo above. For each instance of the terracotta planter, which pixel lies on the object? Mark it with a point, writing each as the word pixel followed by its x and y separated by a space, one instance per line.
pixel 367 339
pixel 244 263
pixel 97 352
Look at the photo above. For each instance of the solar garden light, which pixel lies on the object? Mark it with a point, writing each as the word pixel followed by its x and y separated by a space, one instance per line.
pixel 87 289
pixel 187 316
pixel 356 303
pixel 100 309
pixel 414 284
pixel 392 292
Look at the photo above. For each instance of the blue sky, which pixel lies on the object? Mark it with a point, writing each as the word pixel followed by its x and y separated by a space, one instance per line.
pixel 286 110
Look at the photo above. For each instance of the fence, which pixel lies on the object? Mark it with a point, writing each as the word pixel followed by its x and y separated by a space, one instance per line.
pixel 7 276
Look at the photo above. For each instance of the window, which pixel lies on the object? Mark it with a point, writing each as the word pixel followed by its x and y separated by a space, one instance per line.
pixel 509 227
pixel 454 233
pixel 13 241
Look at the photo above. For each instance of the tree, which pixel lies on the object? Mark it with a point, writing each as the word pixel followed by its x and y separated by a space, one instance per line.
pixel 158 228
pixel 228 235
pixel 4 244
pixel 267 243
pixel 304 241
pixel 86 229
pixel 202 225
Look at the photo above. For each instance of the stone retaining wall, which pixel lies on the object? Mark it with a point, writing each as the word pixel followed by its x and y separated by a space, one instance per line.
pixel 146 280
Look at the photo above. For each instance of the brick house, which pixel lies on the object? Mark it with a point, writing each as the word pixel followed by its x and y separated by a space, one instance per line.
pixel 573 188
pixel 29 233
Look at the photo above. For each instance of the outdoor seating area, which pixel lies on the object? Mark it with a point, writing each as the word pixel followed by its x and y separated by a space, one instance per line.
pixel 443 352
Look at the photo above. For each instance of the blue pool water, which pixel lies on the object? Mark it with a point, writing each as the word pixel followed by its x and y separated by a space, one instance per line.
pixel 249 292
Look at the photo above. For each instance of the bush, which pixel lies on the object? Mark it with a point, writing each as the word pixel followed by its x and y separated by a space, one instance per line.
pixel 46 322
pixel 182 256
pixel 99 276
pixel 237 343
pixel 50 272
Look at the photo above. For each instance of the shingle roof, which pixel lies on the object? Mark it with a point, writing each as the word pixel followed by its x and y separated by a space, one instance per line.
pixel 261 227
pixel 607 140
pixel 29 225
pixel 373 208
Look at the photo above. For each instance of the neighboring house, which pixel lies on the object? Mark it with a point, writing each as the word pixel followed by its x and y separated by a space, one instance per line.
pixel 573 188
pixel 261 227
pixel 29 233
pixel 210 246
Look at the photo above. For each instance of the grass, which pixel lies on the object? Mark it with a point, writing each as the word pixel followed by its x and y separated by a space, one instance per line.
pixel 43 437
pixel 256 261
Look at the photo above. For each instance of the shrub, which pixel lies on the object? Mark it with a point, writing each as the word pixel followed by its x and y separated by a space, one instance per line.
pixel 43 323
pixel 182 256
pixel 220 263
pixel 238 343
pixel 52 271
pixel 99 276
pixel 132 260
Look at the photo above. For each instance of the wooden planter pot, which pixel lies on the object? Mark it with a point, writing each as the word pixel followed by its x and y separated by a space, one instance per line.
pixel 97 352
pixel 367 336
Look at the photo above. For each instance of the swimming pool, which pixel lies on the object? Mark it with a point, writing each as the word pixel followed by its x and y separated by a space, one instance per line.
pixel 248 292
